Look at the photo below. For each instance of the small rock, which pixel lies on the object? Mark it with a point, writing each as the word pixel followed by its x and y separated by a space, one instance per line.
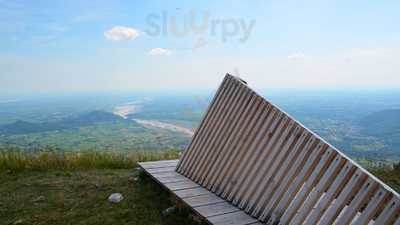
pixel 39 199
pixel 19 222
pixel 115 198
pixel 133 179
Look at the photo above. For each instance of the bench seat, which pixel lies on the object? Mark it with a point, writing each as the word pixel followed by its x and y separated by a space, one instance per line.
pixel 204 203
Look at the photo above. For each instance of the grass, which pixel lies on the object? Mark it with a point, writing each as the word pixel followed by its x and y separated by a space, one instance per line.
pixel 80 197
pixel 50 187
pixel 390 176
pixel 15 161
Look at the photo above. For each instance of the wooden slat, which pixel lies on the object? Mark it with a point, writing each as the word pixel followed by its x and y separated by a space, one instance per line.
pixel 206 129
pixel 191 192
pixel 234 218
pixel 389 213
pixel 226 145
pixel 299 169
pixel 289 167
pixel 337 187
pixel 181 185
pixel 225 131
pixel 361 197
pixel 158 164
pixel 227 172
pixel 281 199
pixel 251 113
pixel 215 122
pixel 218 128
pixel 203 200
pixel 278 160
pixel 374 205
pixel 215 130
pixel 252 152
pixel 161 170
pixel 273 130
pixel 248 136
pixel 320 171
pixel 230 186
pixel 174 178
pixel 165 174
pixel 316 193
pixel 200 129
pixel 274 151
pixel 216 209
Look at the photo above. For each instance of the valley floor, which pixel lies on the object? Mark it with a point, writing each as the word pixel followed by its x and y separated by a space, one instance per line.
pixel 80 197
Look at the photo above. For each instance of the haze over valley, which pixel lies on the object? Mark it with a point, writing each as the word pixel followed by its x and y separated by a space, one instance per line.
pixel 365 125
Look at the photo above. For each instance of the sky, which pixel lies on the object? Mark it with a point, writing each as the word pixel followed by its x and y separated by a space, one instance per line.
pixel 49 46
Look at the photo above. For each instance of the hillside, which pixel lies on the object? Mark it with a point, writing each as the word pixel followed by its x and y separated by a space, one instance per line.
pixel 383 125
pixel 24 127
pixel 98 130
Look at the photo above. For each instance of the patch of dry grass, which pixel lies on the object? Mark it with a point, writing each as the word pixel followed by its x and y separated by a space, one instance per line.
pixel 18 161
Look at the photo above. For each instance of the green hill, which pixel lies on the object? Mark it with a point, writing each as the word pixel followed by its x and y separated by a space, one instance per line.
pixel 24 127
pixel 381 123
pixel 384 125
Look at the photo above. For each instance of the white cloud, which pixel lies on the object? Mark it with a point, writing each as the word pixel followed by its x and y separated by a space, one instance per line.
pixel 159 51
pixel 297 56
pixel 121 33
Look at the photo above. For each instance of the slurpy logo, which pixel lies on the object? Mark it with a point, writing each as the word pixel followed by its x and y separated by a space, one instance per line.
pixel 200 25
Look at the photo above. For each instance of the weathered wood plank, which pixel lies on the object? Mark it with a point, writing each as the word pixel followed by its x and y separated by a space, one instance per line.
pixel 191 192
pixel 158 164
pixel 220 180
pixel 175 178
pixel 225 163
pixel 215 121
pixel 351 211
pixel 225 145
pixel 234 218
pixel 181 185
pixel 165 174
pixel 221 127
pixel 374 204
pixel 216 209
pixel 202 200
pixel 298 170
pixel 161 170
pixel 288 168
pixel 274 151
pixel 230 187
pixel 200 129
pixel 313 165
pixel 389 213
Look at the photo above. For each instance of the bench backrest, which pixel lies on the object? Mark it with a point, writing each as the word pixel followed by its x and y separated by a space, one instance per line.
pixel 250 152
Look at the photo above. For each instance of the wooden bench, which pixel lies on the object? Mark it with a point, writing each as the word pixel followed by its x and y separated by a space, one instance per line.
pixel 249 162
